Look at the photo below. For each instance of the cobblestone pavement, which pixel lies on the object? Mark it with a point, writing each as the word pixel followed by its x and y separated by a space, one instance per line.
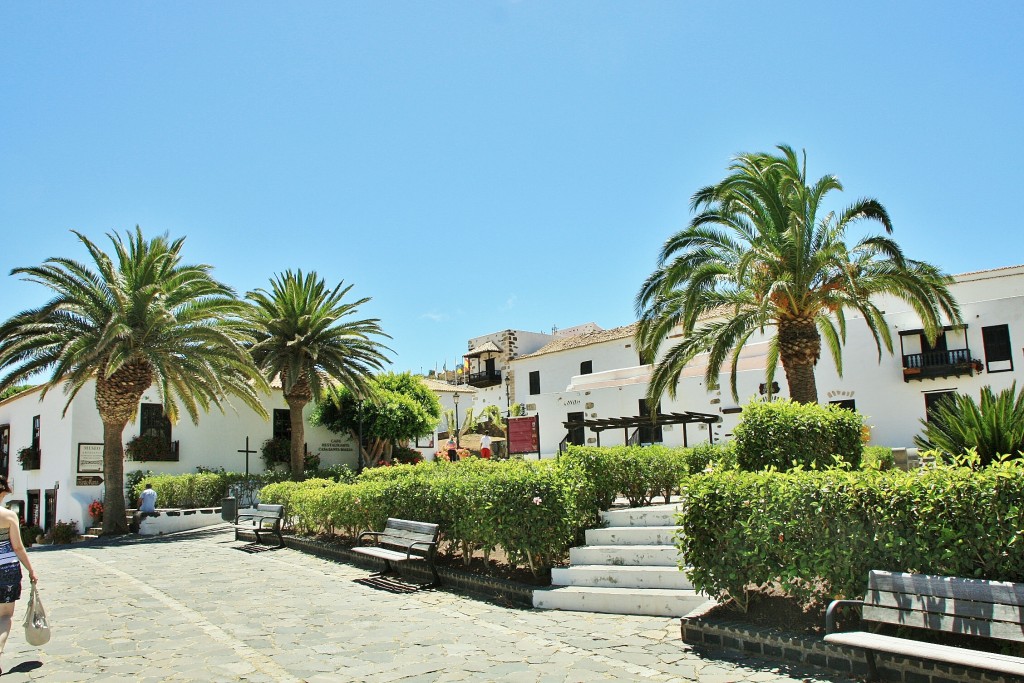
pixel 196 607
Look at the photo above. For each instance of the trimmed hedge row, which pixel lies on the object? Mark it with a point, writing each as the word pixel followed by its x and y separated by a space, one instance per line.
pixel 206 489
pixel 529 510
pixel 640 473
pixel 816 534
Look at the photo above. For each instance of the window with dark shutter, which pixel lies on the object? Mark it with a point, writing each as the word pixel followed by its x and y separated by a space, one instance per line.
pixel 998 354
pixel 535 382
pixel 587 367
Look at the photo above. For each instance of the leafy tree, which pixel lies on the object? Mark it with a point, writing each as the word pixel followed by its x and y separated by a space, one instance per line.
pixel 14 390
pixel 761 252
pixel 129 322
pixel 993 428
pixel 400 408
pixel 306 337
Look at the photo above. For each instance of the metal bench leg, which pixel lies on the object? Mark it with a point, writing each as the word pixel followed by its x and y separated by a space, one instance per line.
pixel 872 668
pixel 433 570
pixel 387 569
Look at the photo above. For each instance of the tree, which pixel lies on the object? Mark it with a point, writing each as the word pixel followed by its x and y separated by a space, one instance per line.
pixel 305 335
pixel 993 428
pixel 396 409
pixel 129 322
pixel 761 252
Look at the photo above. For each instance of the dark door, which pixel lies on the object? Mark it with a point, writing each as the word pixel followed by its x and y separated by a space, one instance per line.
pixel 282 423
pixel 649 434
pixel 577 435
pixel 32 515
pixel 51 509
pixel 489 367
pixel 5 449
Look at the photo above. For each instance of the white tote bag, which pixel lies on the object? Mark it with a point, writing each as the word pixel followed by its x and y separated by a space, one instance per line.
pixel 37 628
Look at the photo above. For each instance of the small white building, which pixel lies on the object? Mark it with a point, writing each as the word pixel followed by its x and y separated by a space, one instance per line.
pixel 69 472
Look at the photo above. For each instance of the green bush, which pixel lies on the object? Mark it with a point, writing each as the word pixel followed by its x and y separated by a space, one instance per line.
pixel 276 451
pixel 784 434
pixel 993 428
pixel 184 490
pixel 63 532
pixel 816 534
pixel 877 458
pixel 528 510
pixel 705 456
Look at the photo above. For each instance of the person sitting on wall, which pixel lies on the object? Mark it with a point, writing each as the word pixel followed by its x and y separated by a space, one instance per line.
pixel 146 507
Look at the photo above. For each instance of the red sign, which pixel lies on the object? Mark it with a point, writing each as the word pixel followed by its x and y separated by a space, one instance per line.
pixel 524 434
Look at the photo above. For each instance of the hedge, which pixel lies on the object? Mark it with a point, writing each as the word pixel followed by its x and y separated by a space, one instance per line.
pixel 816 534
pixel 208 488
pixel 783 434
pixel 529 510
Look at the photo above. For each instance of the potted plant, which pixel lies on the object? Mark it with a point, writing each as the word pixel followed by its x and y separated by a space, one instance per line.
pixel 96 512
pixel 29 458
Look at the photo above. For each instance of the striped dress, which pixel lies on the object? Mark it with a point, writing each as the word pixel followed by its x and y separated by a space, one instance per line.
pixel 10 569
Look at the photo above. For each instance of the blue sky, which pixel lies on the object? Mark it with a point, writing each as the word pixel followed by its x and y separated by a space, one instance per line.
pixel 478 166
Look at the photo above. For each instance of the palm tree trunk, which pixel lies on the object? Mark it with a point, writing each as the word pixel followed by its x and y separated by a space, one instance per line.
pixel 295 406
pixel 114 521
pixel 800 348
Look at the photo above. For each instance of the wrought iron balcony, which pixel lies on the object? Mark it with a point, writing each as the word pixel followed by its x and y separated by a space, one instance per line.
pixel 485 378
pixel 931 364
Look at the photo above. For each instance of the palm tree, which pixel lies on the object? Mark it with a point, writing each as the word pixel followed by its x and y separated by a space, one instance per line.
pixel 140 318
pixel 304 337
pixel 759 254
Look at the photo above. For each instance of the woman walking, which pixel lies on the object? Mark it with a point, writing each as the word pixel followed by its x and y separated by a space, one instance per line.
pixel 11 551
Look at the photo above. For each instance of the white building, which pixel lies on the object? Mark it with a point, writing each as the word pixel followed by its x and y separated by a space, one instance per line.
pixel 69 472
pixel 598 374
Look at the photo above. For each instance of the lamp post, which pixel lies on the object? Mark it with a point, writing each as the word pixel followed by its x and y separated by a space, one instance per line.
pixel 455 397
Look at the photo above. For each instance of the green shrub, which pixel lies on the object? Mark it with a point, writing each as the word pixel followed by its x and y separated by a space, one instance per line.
pixel 991 429
pixel 705 456
pixel 877 458
pixel 528 510
pixel 185 490
pixel 816 534
pixel 783 434
pixel 276 451
pixel 63 532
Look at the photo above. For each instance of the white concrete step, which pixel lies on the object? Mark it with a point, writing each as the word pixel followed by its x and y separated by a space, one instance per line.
pixel 650 602
pixel 625 555
pixel 670 578
pixel 632 535
pixel 657 515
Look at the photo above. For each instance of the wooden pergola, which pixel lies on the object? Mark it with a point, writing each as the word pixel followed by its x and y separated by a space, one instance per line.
pixel 598 425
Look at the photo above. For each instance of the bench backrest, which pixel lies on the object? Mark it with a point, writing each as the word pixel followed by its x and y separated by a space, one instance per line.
pixel 403 533
pixel 275 510
pixel 994 609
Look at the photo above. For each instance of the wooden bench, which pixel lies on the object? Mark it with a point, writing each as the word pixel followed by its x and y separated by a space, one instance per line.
pixel 265 519
pixel 413 540
pixel 988 609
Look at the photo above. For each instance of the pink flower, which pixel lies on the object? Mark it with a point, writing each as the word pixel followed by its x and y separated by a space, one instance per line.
pixel 537 500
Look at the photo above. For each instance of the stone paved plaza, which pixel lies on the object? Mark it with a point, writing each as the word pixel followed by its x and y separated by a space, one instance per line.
pixel 196 607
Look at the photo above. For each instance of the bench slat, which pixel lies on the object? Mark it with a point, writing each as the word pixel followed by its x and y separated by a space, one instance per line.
pixel 948 624
pixel 944 653
pixel 953 607
pixel 1001 592
pixel 386 554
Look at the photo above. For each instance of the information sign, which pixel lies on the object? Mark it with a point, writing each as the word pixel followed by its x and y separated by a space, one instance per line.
pixel 524 435
pixel 90 458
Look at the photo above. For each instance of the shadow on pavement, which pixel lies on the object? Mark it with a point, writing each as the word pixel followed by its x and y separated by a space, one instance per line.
pixel 25 667
pixel 382 583
pixel 256 548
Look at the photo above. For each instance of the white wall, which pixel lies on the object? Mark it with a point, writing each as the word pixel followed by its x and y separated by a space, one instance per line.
pixel 214 442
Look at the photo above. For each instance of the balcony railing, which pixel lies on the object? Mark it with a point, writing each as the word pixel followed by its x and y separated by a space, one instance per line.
pixel 486 378
pixel 952 362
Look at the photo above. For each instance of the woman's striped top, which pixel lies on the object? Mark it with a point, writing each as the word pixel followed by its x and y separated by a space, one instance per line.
pixel 7 555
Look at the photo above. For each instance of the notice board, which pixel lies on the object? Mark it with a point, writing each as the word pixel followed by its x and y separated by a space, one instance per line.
pixel 524 435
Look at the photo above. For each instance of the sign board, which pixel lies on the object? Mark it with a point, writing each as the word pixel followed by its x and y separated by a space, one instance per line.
pixel 88 481
pixel 90 458
pixel 524 435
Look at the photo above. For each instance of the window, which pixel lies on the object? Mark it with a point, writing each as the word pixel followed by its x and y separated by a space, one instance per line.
pixel 847 403
pixel 587 367
pixel 5 449
pixel 998 356
pixel 153 423
pixel 534 382
pixel 282 424
pixel 931 399
pixel 36 433
pixel 154 440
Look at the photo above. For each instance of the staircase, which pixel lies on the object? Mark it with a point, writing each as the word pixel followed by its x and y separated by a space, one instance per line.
pixel 631 566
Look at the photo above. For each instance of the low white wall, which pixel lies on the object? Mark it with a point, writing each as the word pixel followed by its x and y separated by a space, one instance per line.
pixel 171 521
